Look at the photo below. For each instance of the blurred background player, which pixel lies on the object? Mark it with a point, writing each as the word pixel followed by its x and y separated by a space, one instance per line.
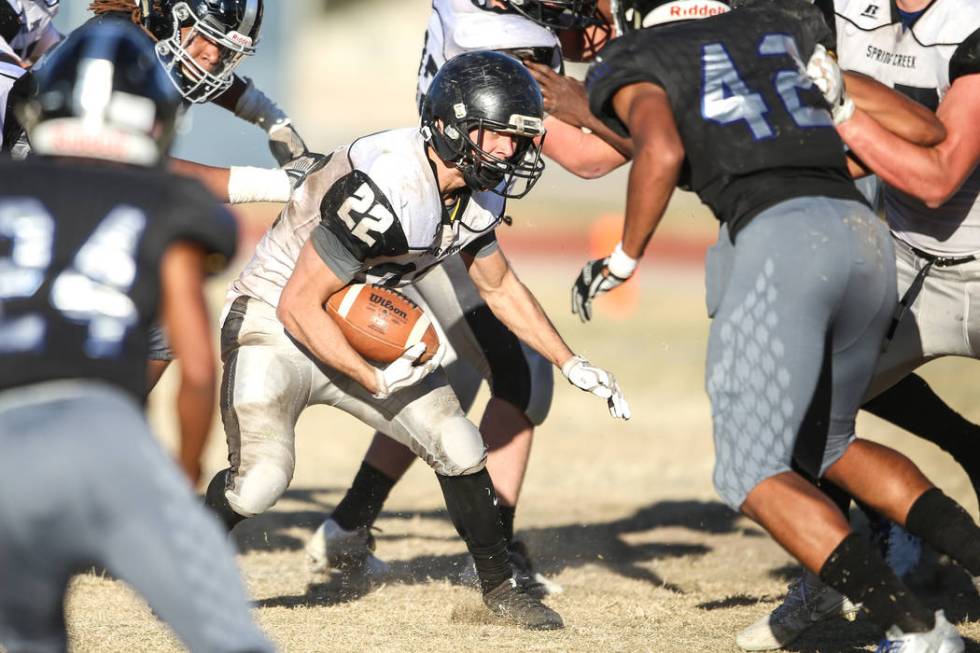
pixel 26 33
pixel 930 201
pixel 793 340
pixel 388 209
pixel 96 240
pixel 482 348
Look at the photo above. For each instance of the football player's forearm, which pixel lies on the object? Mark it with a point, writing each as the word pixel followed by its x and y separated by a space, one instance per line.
pixel 584 155
pixel 895 112
pixel 517 308
pixel 911 168
pixel 213 178
pixel 651 184
pixel 310 325
pixel 185 317
pixel 622 145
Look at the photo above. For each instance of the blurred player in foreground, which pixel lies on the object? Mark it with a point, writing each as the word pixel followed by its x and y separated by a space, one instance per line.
pixel 94 240
pixel 388 209
pixel 929 51
pixel 801 287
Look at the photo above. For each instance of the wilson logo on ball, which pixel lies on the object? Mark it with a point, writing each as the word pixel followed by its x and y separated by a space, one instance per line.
pixel 381 323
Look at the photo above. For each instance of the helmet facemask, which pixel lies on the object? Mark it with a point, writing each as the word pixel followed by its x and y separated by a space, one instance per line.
pixel 512 177
pixel 559 14
pixel 195 82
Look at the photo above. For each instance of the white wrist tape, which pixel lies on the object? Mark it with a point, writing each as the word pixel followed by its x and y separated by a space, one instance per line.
pixel 257 108
pixel 247 184
pixel 620 263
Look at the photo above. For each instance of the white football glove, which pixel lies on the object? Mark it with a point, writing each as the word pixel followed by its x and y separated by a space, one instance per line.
pixel 403 371
pixel 602 384
pixel 826 74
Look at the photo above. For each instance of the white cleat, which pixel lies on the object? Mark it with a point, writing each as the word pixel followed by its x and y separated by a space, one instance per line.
pixel 331 547
pixel 808 602
pixel 943 638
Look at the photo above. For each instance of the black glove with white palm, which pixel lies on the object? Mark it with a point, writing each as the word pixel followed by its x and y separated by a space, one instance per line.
pixel 599 276
pixel 586 376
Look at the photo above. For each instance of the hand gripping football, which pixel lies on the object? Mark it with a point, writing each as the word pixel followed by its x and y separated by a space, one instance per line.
pixel 380 323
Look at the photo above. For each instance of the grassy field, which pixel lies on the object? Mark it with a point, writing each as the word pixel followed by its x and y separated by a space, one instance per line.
pixel 623 515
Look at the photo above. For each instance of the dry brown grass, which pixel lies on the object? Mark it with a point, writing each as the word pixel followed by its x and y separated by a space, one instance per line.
pixel 623 515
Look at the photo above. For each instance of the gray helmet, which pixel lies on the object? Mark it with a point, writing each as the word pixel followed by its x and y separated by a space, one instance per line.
pixel 478 92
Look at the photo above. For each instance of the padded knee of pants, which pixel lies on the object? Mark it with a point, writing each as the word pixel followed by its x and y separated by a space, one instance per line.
pixel 258 487
pixel 542 388
pixel 462 448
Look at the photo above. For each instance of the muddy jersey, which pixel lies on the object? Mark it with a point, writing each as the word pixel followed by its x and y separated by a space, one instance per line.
pixel 80 252
pixel 25 23
pixel 756 131
pixel 921 61
pixel 375 215
pixel 458 26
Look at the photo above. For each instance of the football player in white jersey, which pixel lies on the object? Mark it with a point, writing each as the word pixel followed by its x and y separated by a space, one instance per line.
pixel 520 380
pixel 929 51
pixel 26 33
pixel 389 208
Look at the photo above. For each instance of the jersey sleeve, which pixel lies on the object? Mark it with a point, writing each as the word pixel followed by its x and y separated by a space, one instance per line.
pixel 199 218
pixel 966 58
pixel 619 65
pixel 360 218
pixel 818 21
pixel 485 245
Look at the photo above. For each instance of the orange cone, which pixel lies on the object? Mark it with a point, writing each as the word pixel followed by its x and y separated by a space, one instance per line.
pixel 604 234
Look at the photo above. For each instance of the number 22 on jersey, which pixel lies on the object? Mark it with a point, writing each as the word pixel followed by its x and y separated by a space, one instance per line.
pixel 726 98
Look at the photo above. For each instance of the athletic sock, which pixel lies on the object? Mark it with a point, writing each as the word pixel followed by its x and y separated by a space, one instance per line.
pixel 912 405
pixel 507 520
pixel 855 570
pixel 362 504
pixel 216 500
pixel 945 526
pixel 471 503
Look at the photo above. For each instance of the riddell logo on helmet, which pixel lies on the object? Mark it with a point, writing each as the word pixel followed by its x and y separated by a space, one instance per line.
pixel 239 39
pixel 696 10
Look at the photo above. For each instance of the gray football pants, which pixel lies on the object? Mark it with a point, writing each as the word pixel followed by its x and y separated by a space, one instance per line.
pixel 801 303
pixel 944 319
pixel 268 381
pixel 82 483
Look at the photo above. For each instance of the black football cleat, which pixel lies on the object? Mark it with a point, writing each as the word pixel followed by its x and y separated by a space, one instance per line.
pixel 509 601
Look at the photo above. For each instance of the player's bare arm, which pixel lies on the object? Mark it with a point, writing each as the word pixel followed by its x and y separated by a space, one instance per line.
pixel 895 112
pixel 932 174
pixel 514 305
pixel 645 110
pixel 301 312
pixel 587 154
pixel 185 316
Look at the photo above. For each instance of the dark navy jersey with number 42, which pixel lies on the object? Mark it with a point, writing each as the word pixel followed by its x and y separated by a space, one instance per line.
pixel 80 251
pixel 755 129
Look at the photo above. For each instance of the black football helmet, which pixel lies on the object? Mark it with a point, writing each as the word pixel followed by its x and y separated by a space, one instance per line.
pixel 101 94
pixel 553 14
pixel 631 15
pixel 485 91
pixel 231 25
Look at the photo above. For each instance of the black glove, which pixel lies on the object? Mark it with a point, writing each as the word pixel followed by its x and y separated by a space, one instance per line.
pixel 594 279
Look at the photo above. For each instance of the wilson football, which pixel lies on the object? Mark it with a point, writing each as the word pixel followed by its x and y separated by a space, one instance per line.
pixel 381 323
